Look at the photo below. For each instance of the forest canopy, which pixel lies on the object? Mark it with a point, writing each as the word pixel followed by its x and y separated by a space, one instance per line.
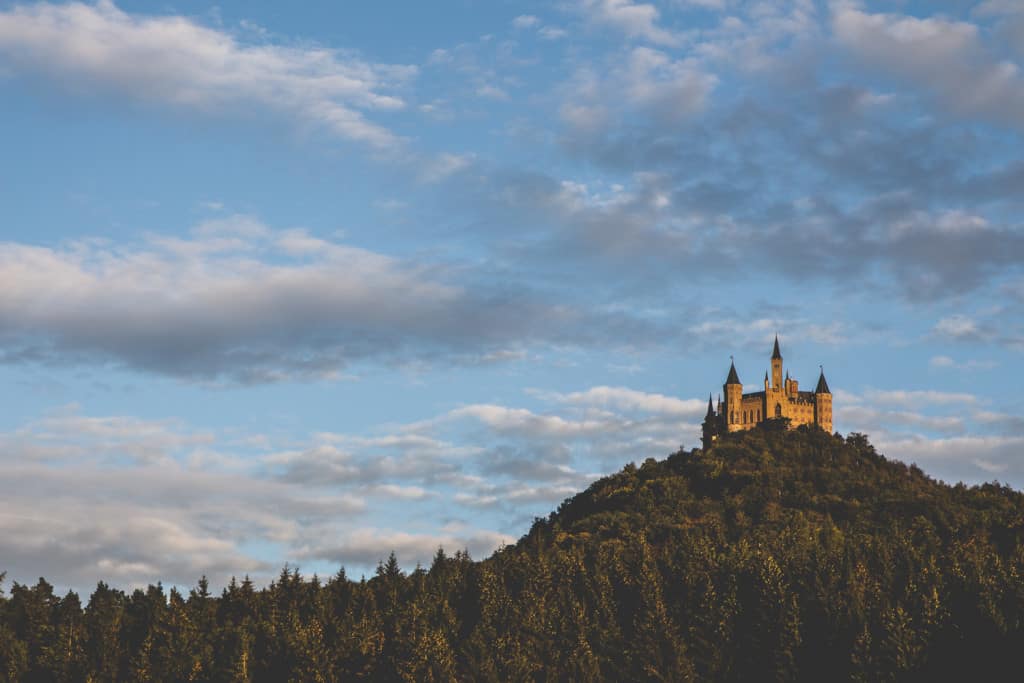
pixel 796 555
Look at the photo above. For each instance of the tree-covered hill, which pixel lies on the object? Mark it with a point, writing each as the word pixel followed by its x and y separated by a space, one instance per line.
pixel 774 556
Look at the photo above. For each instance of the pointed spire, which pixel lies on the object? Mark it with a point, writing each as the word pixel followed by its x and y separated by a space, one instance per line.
pixel 733 377
pixel 775 352
pixel 765 376
pixel 711 408
pixel 822 387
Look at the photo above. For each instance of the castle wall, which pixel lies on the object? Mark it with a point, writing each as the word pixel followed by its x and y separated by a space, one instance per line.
pixel 748 410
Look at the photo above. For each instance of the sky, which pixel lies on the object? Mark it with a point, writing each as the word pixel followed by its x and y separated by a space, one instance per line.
pixel 310 283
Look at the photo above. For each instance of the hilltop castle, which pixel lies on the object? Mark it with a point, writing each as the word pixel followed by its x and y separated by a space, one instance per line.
pixel 780 399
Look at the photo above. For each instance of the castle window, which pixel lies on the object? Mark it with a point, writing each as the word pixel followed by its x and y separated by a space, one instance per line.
pixel 758 414
pixel 778 410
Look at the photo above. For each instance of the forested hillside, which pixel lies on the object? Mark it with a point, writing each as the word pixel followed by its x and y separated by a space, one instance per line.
pixel 775 556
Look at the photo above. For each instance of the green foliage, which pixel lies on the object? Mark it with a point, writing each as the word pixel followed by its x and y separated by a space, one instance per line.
pixel 777 555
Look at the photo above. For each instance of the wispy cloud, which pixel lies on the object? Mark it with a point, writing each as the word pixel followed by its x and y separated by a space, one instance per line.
pixel 239 301
pixel 175 60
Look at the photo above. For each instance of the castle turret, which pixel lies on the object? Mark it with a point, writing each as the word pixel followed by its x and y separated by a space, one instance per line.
pixel 710 426
pixel 733 390
pixel 823 404
pixel 776 366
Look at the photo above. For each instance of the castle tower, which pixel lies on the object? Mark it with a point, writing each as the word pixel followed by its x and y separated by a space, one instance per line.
pixel 776 366
pixel 823 404
pixel 710 426
pixel 733 390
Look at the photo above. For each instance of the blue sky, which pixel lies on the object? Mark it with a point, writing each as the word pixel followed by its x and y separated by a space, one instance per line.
pixel 313 283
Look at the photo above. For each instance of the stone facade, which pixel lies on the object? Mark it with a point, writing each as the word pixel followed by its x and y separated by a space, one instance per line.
pixel 781 398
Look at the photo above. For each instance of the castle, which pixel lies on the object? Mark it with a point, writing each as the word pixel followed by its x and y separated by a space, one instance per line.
pixel 781 399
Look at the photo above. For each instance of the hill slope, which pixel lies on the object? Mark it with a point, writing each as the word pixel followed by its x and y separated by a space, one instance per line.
pixel 775 556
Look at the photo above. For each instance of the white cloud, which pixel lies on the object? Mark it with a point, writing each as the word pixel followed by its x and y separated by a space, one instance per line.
pixel 491 92
pixel 912 398
pixel 145 441
pixel 445 165
pixel 525 422
pixel 998 7
pixel 552 32
pixel 636 20
pixel 945 57
pixel 866 418
pixel 126 501
pixel 622 398
pixel 647 81
pixel 707 4
pixel 970 458
pixel 958 327
pixel 175 61
pixel 525 21
pixel 239 301
pixel 970 364
pixel 759 332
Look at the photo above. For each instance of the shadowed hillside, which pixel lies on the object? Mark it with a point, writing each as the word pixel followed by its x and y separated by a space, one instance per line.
pixel 775 556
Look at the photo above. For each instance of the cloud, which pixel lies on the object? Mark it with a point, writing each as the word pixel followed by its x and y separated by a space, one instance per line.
pixel 635 20
pixel 135 501
pixel 683 221
pixel 140 441
pixel 552 32
pixel 491 92
pixel 524 422
pixel 997 325
pixel 757 332
pixel 734 149
pixel 237 301
pixel 970 458
pixel 525 21
pixel 958 327
pixel 645 82
pixel 444 166
pixel 173 60
pixel 951 435
pixel 918 397
pixel 623 398
pixel 947 58
pixel 970 364
pixel 869 419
